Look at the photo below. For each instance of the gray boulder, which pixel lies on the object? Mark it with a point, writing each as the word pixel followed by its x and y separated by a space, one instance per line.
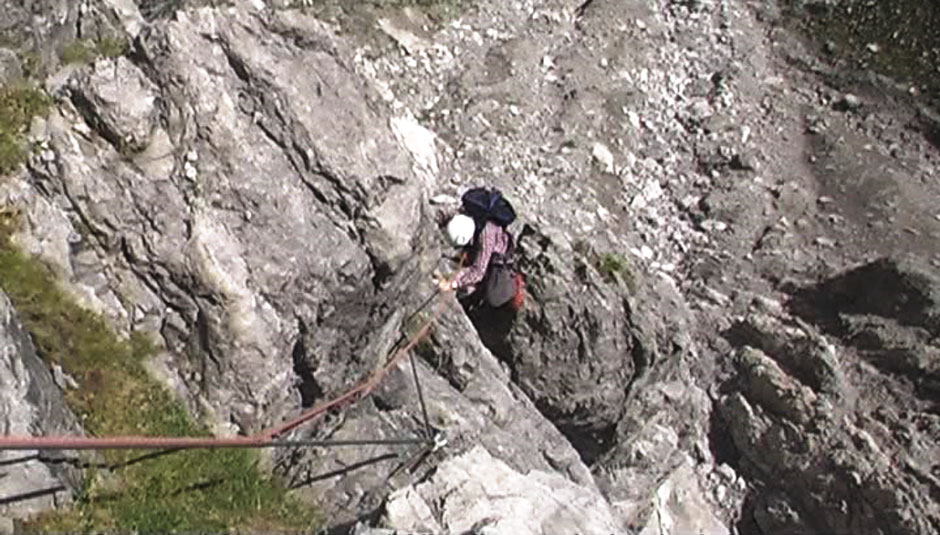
pixel 476 493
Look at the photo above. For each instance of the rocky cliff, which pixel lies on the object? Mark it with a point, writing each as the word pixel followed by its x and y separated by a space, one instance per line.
pixel 729 246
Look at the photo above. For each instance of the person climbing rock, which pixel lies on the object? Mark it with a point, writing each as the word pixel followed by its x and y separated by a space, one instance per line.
pixel 480 228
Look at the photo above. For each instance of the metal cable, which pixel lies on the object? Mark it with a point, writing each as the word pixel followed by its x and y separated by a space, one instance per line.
pixel 144 443
pixel 424 408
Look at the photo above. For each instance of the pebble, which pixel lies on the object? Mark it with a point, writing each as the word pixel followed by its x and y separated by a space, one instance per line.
pixel 713 225
pixel 850 101
pixel 63 379
pixel 825 242
pixel 603 156
pixel 715 296
pixel 874 48
pixel 726 472
pixel 767 304
pixel 643 252
pixel 652 190
pixel 720 492
pixel 634 119
pixel 443 199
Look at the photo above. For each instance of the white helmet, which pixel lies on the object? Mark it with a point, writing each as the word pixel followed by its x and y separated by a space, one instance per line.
pixel 460 230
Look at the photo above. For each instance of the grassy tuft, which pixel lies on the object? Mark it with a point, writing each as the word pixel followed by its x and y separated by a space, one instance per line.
pixel 111 47
pixel 78 51
pixel 31 63
pixel 84 51
pixel 18 105
pixel 614 268
pixel 192 490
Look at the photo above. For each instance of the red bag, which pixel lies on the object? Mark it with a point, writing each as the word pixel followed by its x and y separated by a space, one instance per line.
pixel 518 299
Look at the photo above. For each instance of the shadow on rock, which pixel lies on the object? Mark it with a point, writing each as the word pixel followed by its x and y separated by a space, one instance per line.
pixel 887 288
pixel 888 311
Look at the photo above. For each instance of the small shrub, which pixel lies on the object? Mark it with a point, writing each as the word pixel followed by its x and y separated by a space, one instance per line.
pixel 111 47
pixel 77 51
pixel 83 51
pixel 31 64
pixel 614 268
pixel 18 105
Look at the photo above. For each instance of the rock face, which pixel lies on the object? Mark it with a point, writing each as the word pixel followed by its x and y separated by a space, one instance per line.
pixel 481 494
pixel 231 255
pixel 30 404
pixel 35 33
pixel 838 428
pixel 795 412
pixel 699 350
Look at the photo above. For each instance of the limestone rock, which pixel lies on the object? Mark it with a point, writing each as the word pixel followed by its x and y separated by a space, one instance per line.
pixel 30 404
pixel 679 506
pixel 475 492
pixel 119 101
pixel 837 452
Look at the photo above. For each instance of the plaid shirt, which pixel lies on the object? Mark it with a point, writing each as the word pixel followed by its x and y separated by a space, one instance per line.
pixel 493 240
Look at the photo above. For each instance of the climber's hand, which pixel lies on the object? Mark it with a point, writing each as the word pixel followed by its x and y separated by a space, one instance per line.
pixel 444 285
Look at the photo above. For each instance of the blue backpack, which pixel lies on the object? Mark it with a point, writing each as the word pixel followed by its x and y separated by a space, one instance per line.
pixel 484 204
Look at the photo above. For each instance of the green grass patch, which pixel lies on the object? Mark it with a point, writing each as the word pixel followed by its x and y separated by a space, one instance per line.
pixel 85 51
pixel 111 47
pixel 193 490
pixel 18 105
pixel 78 51
pixel 614 268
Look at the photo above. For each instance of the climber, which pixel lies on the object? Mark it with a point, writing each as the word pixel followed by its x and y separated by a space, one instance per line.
pixel 480 227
